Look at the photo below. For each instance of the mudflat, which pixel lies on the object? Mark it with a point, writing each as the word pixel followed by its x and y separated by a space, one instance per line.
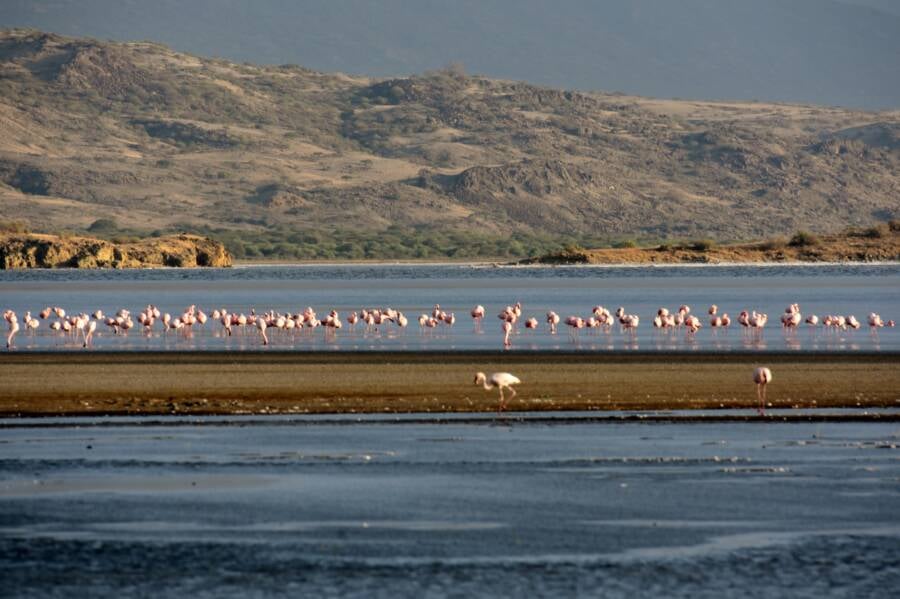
pixel 116 383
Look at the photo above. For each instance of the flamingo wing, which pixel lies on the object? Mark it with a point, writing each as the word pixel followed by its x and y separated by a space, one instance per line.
pixel 504 379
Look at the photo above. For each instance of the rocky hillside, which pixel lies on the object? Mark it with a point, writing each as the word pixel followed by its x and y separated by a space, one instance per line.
pixel 157 140
pixel 51 251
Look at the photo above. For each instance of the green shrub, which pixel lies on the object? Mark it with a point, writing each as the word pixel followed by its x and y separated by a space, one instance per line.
pixel 804 239
pixel 776 243
pixel 103 225
pixel 702 245
pixel 625 244
pixel 876 232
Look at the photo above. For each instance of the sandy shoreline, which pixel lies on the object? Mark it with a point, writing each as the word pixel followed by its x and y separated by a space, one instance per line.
pixel 155 383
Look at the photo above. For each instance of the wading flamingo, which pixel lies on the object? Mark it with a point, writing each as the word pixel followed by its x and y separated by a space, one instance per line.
pixel 10 317
pixel 89 336
pixel 478 315
pixel 500 380
pixel 553 321
pixel 261 327
pixel 762 376
pixel 507 329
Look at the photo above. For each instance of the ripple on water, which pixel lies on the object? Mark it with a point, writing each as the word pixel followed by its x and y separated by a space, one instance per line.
pixel 835 564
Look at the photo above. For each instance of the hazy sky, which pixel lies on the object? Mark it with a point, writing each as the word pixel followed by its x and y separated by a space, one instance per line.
pixel 843 52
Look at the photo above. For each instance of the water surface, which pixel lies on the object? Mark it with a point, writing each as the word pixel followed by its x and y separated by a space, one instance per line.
pixel 415 289
pixel 376 507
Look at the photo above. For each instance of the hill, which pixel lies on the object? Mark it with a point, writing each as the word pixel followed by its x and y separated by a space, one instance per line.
pixel 283 161
pixel 833 52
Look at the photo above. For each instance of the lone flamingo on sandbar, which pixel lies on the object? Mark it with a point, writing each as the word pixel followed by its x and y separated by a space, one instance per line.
pixel 762 376
pixel 500 380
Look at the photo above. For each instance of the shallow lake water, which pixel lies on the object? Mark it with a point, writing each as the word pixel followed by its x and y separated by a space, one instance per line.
pixel 415 289
pixel 475 506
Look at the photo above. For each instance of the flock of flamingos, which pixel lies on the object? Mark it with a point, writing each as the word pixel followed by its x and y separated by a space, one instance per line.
pixel 82 328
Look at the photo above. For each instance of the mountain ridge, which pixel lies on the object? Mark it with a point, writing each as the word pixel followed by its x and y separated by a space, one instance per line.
pixel 833 52
pixel 158 139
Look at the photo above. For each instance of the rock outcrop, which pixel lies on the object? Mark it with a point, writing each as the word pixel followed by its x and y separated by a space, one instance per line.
pixel 51 251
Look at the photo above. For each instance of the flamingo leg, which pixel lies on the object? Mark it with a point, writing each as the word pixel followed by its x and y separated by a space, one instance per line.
pixel 502 402
pixel 759 397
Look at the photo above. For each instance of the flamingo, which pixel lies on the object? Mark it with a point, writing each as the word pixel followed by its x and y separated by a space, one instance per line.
pixel 10 317
pixel 507 329
pixel 261 327
pixel 762 376
pixel 31 324
pixel 630 322
pixel 500 380
pixel 553 321
pixel 89 336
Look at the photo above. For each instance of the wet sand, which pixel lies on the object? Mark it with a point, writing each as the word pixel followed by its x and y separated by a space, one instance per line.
pixel 35 384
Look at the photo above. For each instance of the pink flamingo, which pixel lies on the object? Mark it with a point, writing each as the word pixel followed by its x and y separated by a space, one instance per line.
pixel 553 321
pixel 693 325
pixel 31 324
pixel 762 376
pixel 507 329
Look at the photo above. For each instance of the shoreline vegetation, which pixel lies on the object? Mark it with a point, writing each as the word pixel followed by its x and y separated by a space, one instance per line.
pixel 222 383
pixel 109 249
pixel 880 243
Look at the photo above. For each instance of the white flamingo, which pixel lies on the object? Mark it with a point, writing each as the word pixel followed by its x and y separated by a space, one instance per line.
pixel 501 381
